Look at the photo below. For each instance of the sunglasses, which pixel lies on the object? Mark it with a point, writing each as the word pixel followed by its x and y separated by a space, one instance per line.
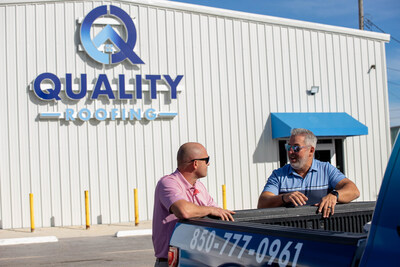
pixel 296 149
pixel 205 159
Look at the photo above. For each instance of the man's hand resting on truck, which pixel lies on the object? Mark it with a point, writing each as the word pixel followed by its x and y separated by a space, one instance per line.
pixel 225 215
pixel 327 205
pixel 345 191
pixel 297 198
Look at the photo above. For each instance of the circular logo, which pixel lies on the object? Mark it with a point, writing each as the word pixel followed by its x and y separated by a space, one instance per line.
pixel 109 34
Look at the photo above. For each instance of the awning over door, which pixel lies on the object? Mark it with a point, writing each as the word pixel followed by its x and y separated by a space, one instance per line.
pixel 321 124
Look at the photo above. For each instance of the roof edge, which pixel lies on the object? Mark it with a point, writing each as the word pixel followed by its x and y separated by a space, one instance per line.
pixel 230 14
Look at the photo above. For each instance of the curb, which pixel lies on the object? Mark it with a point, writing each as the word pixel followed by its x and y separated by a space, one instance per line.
pixel 27 240
pixel 133 233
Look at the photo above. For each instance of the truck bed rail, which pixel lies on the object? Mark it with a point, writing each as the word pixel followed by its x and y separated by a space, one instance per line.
pixel 347 218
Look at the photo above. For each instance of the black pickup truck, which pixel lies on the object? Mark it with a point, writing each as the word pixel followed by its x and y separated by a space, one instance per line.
pixel 358 234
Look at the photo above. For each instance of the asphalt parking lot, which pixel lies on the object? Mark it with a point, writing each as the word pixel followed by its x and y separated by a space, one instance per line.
pixel 76 246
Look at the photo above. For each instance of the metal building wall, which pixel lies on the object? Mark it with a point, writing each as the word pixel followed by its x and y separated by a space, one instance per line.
pixel 238 68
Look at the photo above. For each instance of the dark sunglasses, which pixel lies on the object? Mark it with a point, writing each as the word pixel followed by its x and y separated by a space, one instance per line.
pixel 205 159
pixel 296 149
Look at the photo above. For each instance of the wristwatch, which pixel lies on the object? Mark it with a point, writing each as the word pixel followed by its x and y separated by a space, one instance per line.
pixel 336 193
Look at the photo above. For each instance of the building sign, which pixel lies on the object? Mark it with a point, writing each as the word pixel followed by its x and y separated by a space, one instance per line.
pixel 106 47
pixel 108 33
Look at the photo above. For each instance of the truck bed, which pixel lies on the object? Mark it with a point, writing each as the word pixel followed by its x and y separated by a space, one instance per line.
pixel 281 236
pixel 347 218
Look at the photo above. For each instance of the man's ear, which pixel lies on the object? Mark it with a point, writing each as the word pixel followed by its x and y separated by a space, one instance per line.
pixel 195 164
pixel 312 149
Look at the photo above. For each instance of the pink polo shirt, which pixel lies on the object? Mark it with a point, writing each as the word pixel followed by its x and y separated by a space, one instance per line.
pixel 170 189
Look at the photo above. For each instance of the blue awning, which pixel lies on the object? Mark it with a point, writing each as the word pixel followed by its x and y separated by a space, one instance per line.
pixel 321 124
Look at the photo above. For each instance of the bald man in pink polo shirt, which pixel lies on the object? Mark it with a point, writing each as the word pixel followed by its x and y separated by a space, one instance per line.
pixel 181 196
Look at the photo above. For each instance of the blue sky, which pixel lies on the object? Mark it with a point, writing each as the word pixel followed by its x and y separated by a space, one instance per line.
pixel 383 13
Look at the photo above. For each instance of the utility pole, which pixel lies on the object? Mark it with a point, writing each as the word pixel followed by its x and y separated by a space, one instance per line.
pixel 361 14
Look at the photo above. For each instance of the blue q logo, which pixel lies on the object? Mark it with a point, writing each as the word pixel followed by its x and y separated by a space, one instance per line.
pixel 108 33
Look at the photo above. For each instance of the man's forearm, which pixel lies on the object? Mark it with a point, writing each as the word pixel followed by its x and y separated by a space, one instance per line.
pixel 187 210
pixel 196 211
pixel 270 201
pixel 348 195
pixel 348 192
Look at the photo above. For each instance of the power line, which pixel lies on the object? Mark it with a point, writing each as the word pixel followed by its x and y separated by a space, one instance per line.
pixel 389 68
pixel 369 24
pixel 397 84
pixel 391 93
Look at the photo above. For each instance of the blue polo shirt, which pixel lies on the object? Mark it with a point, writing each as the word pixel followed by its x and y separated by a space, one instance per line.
pixel 320 179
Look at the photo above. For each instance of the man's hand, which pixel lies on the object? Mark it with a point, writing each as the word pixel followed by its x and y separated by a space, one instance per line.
pixel 327 205
pixel 297 198
pixel 225 215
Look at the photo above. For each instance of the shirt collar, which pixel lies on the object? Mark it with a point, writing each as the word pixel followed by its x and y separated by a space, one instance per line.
pixel 187 185
pixel 312 168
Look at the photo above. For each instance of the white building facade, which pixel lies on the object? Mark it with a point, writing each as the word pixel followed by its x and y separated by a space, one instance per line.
pixel 74 119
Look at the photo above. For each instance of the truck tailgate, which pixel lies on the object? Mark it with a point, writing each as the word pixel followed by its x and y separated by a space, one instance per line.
pixel 252 241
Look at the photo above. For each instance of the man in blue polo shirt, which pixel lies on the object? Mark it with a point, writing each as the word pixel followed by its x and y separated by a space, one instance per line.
pixel 307 181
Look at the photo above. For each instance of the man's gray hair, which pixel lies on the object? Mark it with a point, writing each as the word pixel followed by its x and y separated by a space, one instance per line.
pixel 310 140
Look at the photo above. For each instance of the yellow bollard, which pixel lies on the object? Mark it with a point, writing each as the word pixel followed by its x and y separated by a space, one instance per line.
pixel 87 209
pixel 224 196
pixel 135 193
pixel 32 214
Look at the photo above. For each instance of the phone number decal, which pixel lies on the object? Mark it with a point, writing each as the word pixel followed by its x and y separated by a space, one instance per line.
pixel 239 245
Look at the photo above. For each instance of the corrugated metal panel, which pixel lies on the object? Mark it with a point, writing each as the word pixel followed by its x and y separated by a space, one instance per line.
pixel 236 71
